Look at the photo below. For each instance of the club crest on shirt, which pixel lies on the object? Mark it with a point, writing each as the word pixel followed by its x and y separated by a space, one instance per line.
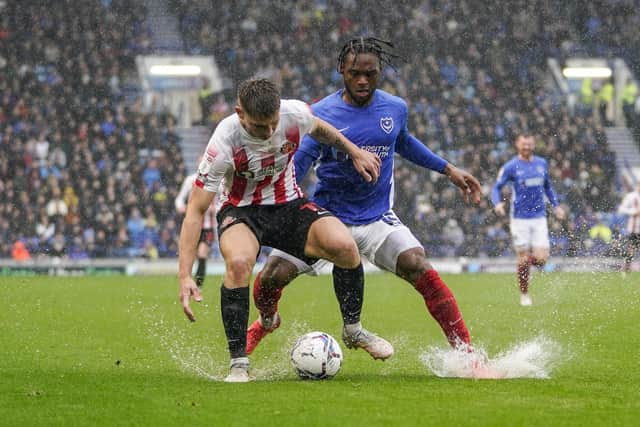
pixel 386 123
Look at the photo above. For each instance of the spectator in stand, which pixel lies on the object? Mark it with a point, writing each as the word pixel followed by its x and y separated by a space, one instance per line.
pixel 604 98
pixel 629 96
pixel 19 251
pixel 205 98
pixel 62 118
pixel 45 230
pixel 467 97
pixel 56 207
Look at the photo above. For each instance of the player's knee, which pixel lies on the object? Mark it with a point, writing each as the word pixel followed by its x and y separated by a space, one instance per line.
pixel 412 264
pixel 346 254
pixel 540 259
pixel 239 268
pixel 277 273
pixel 523 257
pixel 203 252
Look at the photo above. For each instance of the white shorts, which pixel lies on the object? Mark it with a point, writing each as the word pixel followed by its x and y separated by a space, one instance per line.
pixel 530 233
pixel 380 243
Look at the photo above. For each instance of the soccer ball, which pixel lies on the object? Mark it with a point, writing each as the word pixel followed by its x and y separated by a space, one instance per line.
pixel 316 356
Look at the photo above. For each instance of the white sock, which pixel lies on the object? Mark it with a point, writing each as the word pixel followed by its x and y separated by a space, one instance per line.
pixel 239 361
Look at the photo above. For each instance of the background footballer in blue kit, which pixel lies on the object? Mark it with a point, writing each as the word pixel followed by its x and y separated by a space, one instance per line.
pixel 528 175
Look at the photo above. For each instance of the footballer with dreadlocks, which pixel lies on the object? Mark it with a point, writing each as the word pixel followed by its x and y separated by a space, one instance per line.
pixel 377 122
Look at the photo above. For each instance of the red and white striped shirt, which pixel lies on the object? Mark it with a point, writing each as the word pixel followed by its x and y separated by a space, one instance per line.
pixel 631 206
pixel 250 171
pixel 209 219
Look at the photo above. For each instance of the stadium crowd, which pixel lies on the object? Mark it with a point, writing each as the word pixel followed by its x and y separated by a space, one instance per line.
pixel 473 78
pixel 82 173
pixel 86 174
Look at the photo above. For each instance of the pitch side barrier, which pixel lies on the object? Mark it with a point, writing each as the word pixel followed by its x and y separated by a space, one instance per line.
pixel 132 267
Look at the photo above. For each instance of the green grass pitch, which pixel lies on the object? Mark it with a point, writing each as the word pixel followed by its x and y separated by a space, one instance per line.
pixel 118 351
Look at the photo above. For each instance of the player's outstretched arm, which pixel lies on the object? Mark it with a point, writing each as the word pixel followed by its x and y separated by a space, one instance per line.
pixel 367 164
pixel 467 183
pixel 191 227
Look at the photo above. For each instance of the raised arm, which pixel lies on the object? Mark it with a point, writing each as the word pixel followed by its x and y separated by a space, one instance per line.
pixel 367 164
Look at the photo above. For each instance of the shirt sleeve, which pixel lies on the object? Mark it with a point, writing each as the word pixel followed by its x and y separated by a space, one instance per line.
pixel 304 116
pixel 307 154
pixel 216 162
pixel 412 149
pixel 503 178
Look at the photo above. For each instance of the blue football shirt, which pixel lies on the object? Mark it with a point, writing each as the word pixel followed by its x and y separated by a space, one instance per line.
pixel 379 127
pixel 530 183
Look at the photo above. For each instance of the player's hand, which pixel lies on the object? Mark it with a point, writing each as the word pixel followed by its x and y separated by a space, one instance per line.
pixel 500 209
pixel 559 212
pixel 189 289
pixel 467 183
pixel 367 164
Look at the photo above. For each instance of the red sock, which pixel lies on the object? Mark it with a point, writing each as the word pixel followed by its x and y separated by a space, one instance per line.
pixel 523 276
pixel 265 298
pixel 443 307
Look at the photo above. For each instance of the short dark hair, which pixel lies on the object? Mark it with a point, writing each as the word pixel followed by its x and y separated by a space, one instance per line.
pixel 381 48
pixel 260 98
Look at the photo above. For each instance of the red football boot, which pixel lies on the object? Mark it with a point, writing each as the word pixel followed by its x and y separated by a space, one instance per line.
pixel 257 331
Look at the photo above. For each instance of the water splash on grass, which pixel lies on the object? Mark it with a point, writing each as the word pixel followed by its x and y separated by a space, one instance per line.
pixel 196 355
pixel 530 359
pixel 190 356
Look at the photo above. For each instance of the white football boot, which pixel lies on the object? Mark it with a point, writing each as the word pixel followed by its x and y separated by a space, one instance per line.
pixel 377 347
pixel 238 371
pixel 525 300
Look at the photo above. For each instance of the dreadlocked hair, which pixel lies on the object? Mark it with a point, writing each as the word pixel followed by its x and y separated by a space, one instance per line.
pixel 259 97
pixel 381 48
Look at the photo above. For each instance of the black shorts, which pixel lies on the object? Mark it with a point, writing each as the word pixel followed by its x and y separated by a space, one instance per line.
pixel 633 239
pixel 207 236
pixel 284 226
